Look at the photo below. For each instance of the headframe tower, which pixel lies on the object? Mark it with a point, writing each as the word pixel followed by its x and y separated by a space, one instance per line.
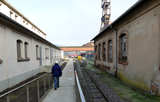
pixel 106 13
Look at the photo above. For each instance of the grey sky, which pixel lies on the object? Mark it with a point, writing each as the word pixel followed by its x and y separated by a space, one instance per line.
pixel 68 22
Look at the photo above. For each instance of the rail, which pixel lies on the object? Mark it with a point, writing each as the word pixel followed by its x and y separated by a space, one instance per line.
pixel 79 88
pixel 32 91
pixel 91 92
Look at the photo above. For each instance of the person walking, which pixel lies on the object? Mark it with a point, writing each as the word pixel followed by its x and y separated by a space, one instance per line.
pixel 56 72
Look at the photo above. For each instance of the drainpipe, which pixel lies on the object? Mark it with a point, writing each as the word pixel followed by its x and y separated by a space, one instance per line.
pixel 116 64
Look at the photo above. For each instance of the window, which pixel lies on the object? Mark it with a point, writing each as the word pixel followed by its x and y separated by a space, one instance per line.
pixel 1 61
pixel 11 13
pixel 37 52
pixel 51 55
pixel 19 50
pixel 123 48
pixel 104 51
pixel 110 51
pixel 16 17
pixel 47 53
pixel 99 52
pixel 96 52
pixel 26 50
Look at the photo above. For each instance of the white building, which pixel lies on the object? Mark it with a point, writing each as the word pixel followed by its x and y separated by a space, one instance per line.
pixel 23 50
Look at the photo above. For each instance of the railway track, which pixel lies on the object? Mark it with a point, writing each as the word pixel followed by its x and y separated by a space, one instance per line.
pixel 90 90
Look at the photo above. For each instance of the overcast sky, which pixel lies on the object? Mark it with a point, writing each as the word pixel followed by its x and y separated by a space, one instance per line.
pixel 69 22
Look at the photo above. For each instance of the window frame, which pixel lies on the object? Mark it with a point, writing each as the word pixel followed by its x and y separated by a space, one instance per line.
pixel 123 59
pixel 19 50
pixel 95 47
pixel 104 51
pixel 110 60
pixel 26 51
pixel 99 51
pixel 37 52
pixel 47 53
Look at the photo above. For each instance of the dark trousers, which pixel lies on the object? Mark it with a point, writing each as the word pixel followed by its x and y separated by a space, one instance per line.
pixel 56 82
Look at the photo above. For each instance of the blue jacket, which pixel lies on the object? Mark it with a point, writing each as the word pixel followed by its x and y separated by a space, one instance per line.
pixel 56 71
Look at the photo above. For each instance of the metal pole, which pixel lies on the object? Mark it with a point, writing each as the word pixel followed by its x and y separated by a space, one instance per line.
pixel 27 89
pixel 116 72
pixel 49 81
pixel 38 96
pixel 44 83
pixel 8 99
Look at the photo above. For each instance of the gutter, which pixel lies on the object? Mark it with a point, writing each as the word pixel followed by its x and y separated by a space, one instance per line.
pixel 116 64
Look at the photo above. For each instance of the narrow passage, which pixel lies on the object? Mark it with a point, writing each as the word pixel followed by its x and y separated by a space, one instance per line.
pixel 66 91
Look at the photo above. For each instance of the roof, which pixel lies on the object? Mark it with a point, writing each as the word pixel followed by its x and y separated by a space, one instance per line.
pixel 20 14
pixel 18 27
pixel 138 3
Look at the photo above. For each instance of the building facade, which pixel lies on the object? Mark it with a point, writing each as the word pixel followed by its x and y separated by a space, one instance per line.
pixel 130 46
pixel 23 52
pixel 86 50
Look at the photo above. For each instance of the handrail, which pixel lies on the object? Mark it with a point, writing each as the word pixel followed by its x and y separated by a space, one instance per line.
pixel 21 86
pixel 79 88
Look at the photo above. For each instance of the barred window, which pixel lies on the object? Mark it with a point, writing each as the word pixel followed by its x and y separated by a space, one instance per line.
pixel 123 48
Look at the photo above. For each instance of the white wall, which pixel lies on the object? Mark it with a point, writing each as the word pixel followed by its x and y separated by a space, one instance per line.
pixel 12 71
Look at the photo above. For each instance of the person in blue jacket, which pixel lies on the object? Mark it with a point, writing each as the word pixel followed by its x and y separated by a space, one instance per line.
pixel 56 72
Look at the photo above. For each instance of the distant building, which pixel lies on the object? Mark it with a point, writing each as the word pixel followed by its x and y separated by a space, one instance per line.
pixel 85 50
pixel 130 46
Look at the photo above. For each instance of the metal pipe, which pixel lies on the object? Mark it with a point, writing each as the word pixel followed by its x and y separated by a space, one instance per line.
pixel 116 63
pixel 116 72
pixel 38 94
pixel 27 89
pixel 8 99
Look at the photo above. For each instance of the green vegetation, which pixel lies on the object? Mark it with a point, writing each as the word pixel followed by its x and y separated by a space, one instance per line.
pixel 124 91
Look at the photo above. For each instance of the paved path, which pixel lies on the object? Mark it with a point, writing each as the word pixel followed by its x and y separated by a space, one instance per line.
pixel 66 92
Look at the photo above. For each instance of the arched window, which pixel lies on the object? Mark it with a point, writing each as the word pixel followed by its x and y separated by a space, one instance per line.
pixel 19 49
pixel 110 51
pixel 26 50
pixel 123 48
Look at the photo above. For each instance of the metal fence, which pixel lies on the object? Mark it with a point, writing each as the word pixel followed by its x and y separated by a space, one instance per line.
pixel 32 91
